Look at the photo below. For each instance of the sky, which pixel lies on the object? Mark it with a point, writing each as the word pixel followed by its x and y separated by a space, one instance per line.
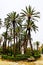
pixel 7 6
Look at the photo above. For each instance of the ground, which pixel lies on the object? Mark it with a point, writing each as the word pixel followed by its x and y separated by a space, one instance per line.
pixel 38 62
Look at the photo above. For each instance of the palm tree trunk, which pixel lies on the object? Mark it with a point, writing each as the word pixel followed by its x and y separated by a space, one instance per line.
pixel 37 47
pixel 19 41
pixel 29 34
pixel 4 46
pixel 8 44
pixel 14 36
pixel 26 39
pixel 6 40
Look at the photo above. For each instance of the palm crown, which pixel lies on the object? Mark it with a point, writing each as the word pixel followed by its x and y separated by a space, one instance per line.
pixel 29 12
pixel 32 14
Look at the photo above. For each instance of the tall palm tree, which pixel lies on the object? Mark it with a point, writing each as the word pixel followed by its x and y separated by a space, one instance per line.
pixel 15 20
pixel 30 15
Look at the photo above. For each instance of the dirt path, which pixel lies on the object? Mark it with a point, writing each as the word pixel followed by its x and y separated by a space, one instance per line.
pixel 38 62
pixel 3 62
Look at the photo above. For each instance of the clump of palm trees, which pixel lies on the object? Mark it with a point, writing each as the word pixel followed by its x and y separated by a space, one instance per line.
pixel 19 27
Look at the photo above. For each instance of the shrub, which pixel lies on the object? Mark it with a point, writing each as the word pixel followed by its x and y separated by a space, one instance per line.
pixel 9 51
pixel 37 54
pixel 4 56
pixel 42 50
pixel 22 57
pixel 28 52
pixel 16 58
pixel 1 50
pixel 17 50
pixel 7 57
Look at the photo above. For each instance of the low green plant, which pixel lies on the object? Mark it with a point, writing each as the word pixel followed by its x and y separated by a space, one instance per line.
pixel 37 54
pixel 28 52
pixel 16 58
pixel 42 50
pixel 1 51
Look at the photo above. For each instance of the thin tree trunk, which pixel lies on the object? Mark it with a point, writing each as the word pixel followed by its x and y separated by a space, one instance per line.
pixel 29 34
pixel 6 34
pixel 19 41
pixel 37 47
pixel 14 36
pixel 8 44
pixel 4 46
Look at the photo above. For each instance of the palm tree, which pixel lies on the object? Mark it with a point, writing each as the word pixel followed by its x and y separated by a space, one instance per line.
pixel 37 43
pixel 30 15
pixel 15 20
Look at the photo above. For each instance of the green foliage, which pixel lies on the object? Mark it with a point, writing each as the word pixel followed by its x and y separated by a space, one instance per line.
pixel 4 56
pixel 16 58
pixel 22 57
pixel 19 57
pixel 8 57
pixel 17 50
pixel 1 50
pixel 9 51
pixel 42 50
pixel 28 52
pixel 37 54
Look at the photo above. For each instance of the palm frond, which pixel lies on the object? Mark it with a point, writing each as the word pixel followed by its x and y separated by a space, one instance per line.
pixel 34 19
pixel 36 16
pixel 27 9
pixel 24 11
pixel 36 13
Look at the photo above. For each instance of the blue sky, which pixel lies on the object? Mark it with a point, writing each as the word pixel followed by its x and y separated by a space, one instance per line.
pixel 7 6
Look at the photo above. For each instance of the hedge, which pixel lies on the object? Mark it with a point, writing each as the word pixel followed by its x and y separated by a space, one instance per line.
pixel 16 58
